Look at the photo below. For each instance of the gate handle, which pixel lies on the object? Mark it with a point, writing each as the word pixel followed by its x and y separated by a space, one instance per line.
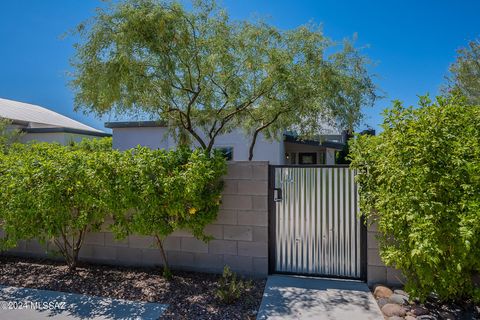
pixel 278 196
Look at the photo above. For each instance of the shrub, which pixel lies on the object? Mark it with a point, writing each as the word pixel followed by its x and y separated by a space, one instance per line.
pixel 53 193
pixel 168 191
pixel 58 194
pixel 8 135
pixel 420 181
pixel 103 144
pixel 230 289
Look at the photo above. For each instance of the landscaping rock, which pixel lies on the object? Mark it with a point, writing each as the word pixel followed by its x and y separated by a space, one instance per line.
pixel 395 318
pixel 419 311
pixel 391 309
pixel 381 302
pixel 410 318
pixel 398 299
pixel 382 292
pixel 403 293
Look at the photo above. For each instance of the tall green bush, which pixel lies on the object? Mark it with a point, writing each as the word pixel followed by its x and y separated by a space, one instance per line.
pixel 170 190
pixel 58 194
pixel 8 135
pixel 53 193
pixel 420 181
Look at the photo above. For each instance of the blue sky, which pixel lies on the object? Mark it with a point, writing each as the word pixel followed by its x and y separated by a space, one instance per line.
pixel 412 43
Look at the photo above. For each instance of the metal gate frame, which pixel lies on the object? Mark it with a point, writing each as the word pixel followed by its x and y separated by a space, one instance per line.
pixel 272 245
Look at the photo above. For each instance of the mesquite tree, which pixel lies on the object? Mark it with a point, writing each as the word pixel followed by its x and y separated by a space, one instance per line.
pixel 464 75
pixel 205 75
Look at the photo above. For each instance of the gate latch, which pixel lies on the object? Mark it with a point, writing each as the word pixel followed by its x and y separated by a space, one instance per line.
pixel 277 194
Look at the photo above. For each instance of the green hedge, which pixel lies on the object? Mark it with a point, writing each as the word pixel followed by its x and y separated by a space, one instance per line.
pixel 420 180
pixel 56 194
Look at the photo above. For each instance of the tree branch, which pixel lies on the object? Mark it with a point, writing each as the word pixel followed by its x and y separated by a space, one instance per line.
pixel 258 130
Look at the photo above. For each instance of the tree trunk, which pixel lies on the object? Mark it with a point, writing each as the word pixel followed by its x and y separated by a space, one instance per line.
pixel 257 131
pixel 166 268
pixel 72 263
pixel 252 145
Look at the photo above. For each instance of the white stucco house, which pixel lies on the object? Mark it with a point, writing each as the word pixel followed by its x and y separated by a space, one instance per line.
pixel 44 125
pixel 288 150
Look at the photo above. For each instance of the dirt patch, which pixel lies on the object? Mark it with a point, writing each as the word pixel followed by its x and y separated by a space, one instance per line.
pixel 190 295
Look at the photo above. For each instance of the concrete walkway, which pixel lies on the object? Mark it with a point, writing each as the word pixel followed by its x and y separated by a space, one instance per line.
pixel 26 304
pixel 294 297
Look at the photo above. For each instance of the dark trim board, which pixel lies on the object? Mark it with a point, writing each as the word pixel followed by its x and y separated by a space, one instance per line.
pixel 134 124
pixel 363 249
pixel 326 144
pixel 66 130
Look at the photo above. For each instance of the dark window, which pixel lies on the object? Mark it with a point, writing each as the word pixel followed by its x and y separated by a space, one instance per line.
pixel 321 159
pixel 227 152
pixel 293 158
pixel 307 158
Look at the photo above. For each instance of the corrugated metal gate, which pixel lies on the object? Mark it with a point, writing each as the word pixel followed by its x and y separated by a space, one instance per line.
pixel 314 224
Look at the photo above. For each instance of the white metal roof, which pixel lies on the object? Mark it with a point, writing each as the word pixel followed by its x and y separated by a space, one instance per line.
pixel 38 116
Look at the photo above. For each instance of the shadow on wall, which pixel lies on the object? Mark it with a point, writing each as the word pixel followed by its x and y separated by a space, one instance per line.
pixel 34 304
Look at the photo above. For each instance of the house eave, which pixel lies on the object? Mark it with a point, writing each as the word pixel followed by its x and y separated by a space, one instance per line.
pixel 326 144
pixel 66 130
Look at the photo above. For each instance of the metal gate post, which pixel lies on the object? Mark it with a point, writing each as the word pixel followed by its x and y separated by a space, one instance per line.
pixel 271 221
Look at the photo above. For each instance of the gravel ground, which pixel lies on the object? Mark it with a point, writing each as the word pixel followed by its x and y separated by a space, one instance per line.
pixel 190 295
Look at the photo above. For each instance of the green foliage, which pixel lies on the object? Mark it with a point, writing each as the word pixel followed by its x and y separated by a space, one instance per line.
pixel 206 75
pixel 230 289
pixel 54 194
pixel 420 181
pixel 168 191
pixel 8 135
pixel 465 73
pixel 57 194
pixel 99 144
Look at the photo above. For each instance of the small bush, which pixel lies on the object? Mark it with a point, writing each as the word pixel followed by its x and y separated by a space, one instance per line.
pixel 230 289
pixel 420 181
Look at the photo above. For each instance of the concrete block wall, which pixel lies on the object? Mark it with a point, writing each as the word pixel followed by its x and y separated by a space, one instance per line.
pixel 240 236
pixel 240 233
pixel 377 272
